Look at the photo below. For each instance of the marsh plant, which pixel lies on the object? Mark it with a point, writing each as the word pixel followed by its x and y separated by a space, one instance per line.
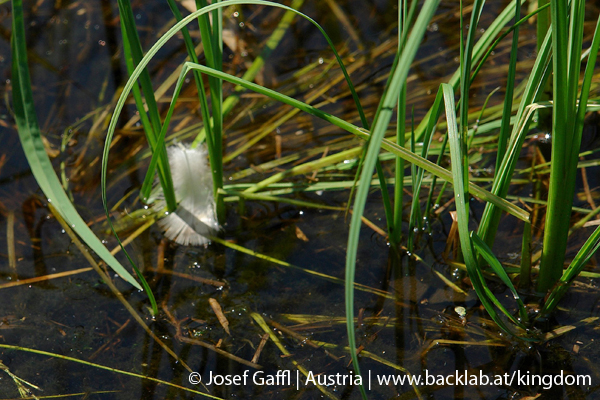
pixel 560 51
pixel 559 62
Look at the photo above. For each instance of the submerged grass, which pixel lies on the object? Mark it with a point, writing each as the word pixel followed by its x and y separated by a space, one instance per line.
pixel 106 368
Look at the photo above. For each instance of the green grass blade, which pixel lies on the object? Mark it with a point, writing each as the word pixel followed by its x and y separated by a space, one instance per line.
pixel 385 197
pixel 231 101
pixel 434 181
pixel 163 132
pixel 553 256
pixel 525 275
pixel 133 50
pixel 584 96
pixel 492 47
pixel 204 108
pixel 106 368
pixel 396 82
pixel 210 34
pixel 419 175
pixel 217 36
pixel 479 50
pixel 576 21
pixel 396 233
pixel 466 58
pixel 31 140
pixel 493 262
pixel 491 215
pixel 573 155
pixel 386 144
pixel 589 248
pixel 189 45
pixel 140 70
pixel 475 129
pixel 415 204
pixel 566 136
pixel 461 195
pixel 214 142
pixel 508 97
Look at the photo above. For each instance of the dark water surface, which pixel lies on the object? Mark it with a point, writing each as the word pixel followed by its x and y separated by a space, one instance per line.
pixel 76 67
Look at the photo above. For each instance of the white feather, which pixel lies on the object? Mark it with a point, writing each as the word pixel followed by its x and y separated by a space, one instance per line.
pixel 195 217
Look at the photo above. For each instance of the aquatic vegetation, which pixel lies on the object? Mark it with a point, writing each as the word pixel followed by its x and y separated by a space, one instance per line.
pixel 571 99
pixel 194 198
pixel 31 140
pixel 476 251
pixel 566 41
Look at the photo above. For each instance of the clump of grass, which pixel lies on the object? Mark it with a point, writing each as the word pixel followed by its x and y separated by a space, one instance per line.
pixel 563 45
pixel 476 247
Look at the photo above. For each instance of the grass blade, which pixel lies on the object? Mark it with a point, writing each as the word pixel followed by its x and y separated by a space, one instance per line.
pixel 525 275
pixel 213 142
pixel 479 50
pixel 586 252
pixel 107 368
pixel 133 55
pixel 31 140
pixel 204 110
pixel 491 215
pixel 140 71
pixel 492 47
pixel 553 256
pixel 213 49
pixel 396 231
pixel 189 45
pixel 461 195
pixel 386 144
pixel 230 102
pixel 431 127
pixel 567 118
pixel 508 98
pixel 466 57
pixel 493 262
pixel 387 104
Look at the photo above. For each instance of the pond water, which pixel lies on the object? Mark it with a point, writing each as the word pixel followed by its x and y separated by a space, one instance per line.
pixel 409 319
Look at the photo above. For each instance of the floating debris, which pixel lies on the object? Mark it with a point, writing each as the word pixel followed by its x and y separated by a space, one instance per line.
pixel 195 217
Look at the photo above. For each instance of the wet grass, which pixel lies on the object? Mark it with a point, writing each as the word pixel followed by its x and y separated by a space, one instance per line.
pixel 296 173
pixel 31 140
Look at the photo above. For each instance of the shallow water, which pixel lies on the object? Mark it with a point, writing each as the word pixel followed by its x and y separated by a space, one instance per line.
pixel 76 70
